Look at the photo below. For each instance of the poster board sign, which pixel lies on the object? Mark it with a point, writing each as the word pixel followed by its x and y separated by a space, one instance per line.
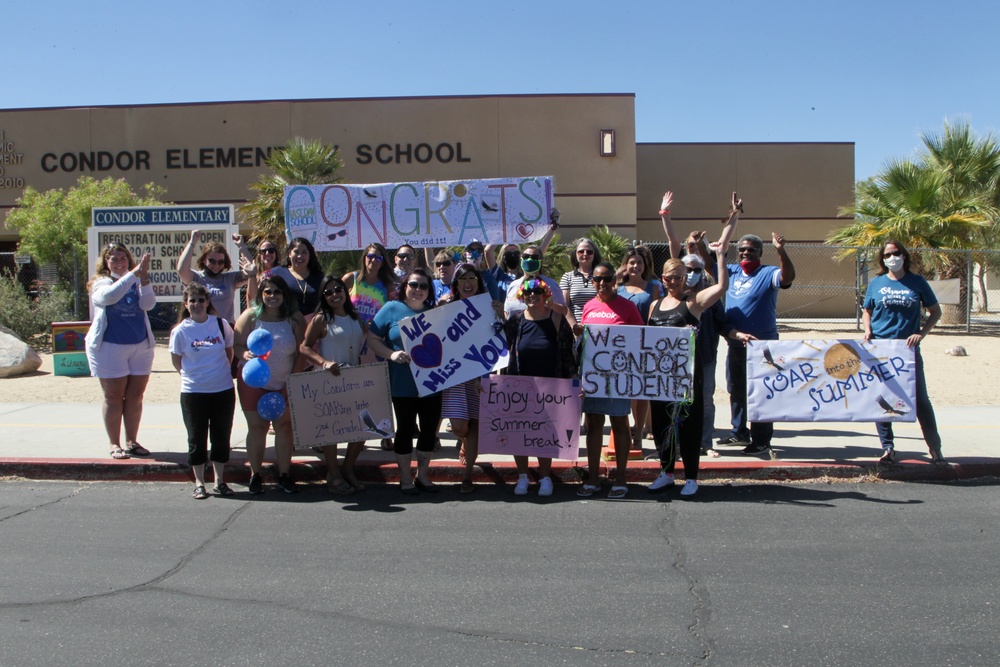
pixel 351 407
pixel 830 380
pixel 651 363
pixel 450 344
pixel 421 214
pixel 529 416
pixel 162 231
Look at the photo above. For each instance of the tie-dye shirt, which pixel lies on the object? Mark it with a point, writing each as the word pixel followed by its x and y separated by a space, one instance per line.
pixel 368 299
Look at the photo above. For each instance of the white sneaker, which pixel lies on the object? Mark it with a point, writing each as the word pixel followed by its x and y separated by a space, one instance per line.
pixel 522 487
pixel 662 482
pixel 545 486
pixel 690 487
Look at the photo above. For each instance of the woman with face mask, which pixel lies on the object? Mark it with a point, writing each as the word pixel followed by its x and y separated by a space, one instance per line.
pixel 531 266
pixel 678 426
pixel 893 307
pixel 214 273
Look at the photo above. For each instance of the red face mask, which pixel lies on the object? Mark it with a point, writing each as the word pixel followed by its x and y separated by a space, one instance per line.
pixel 749 266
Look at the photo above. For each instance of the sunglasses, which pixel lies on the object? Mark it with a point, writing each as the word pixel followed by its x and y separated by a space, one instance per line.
pixel 672 279
pixel 538 257
pixel 331 292
pixel 584 252
pixel 416 285
pixel 748 248
pixel 271 292
pixel 534 291
pixel 377 258
pixel 403 255
pixel 215 261
pixel 695 270
pixel 199 299
pixel 894 253
pixel 468 276
pixel 440 264
pixel 603 279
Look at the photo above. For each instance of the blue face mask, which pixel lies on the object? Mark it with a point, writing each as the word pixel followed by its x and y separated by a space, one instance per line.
pixel 693 279
pixel 530 264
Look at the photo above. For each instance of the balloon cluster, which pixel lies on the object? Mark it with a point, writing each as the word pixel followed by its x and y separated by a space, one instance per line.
pixel 256 373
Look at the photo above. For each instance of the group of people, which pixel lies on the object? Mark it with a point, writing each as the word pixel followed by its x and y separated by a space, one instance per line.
pixel 329 323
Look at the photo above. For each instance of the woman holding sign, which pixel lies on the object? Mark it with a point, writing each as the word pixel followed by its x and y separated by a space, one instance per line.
pixel 541 345
pixel 894 304
pixel 275 310
pixel 607 308
pixel 337 328
pixel 679 425
pixel 386 340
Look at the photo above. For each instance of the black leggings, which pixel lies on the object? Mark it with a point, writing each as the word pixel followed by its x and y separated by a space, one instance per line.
pixel 407 409
pixel 208 415
pixel 685 435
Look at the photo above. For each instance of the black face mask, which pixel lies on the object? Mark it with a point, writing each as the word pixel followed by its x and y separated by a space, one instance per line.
pixel 511 259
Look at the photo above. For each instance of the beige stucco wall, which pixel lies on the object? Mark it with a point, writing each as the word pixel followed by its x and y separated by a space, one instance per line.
pixel 794 189
pixel 498 136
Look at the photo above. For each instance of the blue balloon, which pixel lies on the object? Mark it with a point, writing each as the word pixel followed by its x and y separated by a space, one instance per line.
pixel 256 373
pixel 260 342
pixel 271 405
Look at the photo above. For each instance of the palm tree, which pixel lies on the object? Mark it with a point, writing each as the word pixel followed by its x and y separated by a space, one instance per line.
pixel 301 162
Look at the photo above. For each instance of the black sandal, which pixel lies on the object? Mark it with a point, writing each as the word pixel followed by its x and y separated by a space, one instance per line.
pixel 135 449
pixel 200 493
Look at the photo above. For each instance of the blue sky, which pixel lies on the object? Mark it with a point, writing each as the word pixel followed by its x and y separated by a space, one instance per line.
pixel 877 73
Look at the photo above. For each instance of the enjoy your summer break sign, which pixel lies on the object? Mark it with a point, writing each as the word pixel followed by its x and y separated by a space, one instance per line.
pixel 529 416
pixel 459 341
pixel 824 380
pixel 422 214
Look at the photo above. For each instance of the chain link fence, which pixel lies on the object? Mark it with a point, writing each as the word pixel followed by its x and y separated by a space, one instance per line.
pixel 830 285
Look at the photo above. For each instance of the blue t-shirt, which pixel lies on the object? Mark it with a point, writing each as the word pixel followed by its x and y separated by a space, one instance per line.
pixel 752 301
pixel 386 326
pixel 440 289
pixel 126 320
pixel 896 306
pixel 642 300
pixel 502 278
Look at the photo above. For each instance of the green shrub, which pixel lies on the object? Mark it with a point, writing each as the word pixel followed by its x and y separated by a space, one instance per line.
pixel 27 317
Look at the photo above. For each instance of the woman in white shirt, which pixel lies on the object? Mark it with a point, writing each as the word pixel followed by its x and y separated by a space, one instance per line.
pixel 201 349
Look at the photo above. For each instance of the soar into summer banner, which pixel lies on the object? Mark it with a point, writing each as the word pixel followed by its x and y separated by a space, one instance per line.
pixel 421 214
pixel 839 381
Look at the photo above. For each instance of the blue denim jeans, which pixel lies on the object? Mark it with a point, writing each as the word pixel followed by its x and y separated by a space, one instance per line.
pixel 925 413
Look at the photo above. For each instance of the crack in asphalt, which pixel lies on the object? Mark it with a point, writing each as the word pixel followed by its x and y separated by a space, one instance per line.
pixel 702 611
pixel 150 584
pixel 43 505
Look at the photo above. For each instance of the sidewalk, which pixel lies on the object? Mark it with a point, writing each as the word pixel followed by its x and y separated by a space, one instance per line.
pixel 67 441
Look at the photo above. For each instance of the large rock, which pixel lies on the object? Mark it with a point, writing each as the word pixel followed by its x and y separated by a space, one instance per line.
pixel 16 357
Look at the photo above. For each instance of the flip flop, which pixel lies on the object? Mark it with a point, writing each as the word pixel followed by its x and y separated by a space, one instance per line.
pixel 200 493
pixel 135 449
pixel 587 490
pixel 339 487
pixel 617 492
pixel 118 453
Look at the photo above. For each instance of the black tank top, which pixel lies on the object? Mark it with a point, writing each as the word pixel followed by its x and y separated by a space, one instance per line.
pixel 679 316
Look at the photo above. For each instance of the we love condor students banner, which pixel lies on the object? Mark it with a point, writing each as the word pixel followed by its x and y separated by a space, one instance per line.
pixel 838 380
pixel 450 344
pixel 421 214
pixel 653 363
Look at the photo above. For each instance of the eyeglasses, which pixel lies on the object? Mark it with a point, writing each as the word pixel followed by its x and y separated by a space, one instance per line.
pixel 332 291
pixel 603 279
pixel 373 256
pixel 584 252
pixel 692 269
pixel 200 299
pixel 416 285
pixel 215 261
pixel 672 279
pixel 748 248
pixel 468 276
pixel 894 253
pixel 440 264
pixel 403 255
pixel 268 251
pixel 271 292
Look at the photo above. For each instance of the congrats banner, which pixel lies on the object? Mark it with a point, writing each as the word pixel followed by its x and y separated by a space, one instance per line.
pixel 435 213
pixel 450 344
pixel 530 416
pixel 837 381
pixel 328 409
pixel 654 363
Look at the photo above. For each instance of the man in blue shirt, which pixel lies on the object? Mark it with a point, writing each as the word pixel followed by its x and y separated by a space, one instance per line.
pixel 751 309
